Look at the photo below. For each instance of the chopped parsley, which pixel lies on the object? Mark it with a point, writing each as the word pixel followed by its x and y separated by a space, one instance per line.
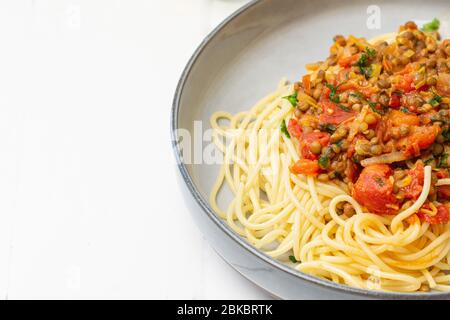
pixel 324 160
pixel 345 108
pixel 376 108
pixel 284 129
pixel 435 101
pixel 292 99
pixel 364 62
pixel 404 110
pixel 371 52
pixel 293 260
pixel 357 95
pixel 431 26
pixel 328 127
pixel 446 134
pixel 334 97
pixel 443 161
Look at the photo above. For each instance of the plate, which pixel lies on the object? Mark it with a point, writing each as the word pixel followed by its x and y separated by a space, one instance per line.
pixel 242 61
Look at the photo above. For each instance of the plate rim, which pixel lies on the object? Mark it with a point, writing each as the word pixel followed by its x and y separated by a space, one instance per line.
pixel 204 205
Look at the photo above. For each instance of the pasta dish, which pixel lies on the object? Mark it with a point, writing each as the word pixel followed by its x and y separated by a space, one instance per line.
pixel 345 174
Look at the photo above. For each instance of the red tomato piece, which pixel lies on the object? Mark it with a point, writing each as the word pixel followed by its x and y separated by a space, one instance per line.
pixel 374 191
pixel 421 138
pixel 306 166
pixel 444 192
pixel 414 189
pixel 406 84
pixel 348 61
pixel 442 174
pixel 294 128
pixel 442 215
pixel 332 114
pixel 307 139
pixel 395 101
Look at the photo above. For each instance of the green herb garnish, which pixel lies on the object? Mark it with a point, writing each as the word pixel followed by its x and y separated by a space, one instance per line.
pixel 328 127
pixel 435 101
pixel 345 108
pixel 367 71
pixel 293 260
pixel 284 129
pixel 334 97
pixel 324 161
pixel 292 99
pixel 404 110
pixel 371 52
pixel 443 161
pixel 357 95
pixel 446 134
pixel 364 62
pixel 374 107
pixel 431 26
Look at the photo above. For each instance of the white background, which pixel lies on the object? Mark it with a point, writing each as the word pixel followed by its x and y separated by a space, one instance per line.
pixel 89 204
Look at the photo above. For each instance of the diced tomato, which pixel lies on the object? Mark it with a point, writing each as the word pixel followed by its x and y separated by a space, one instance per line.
pixel 408 69
pixel 325 93
pixel 442 174
pixel 398 118
pixel 443 84
pixel 374 191
pixel 305 166
pixel 323 137
pixel 307 83
pixel 406 84
pixel 423 88
pixel 294 128
pixel 332 114
pixel 414 189
pixel 307 139
pixel 346 62
pixel 442 215
pixel 444 192
pixel 395 101
pixel 421 138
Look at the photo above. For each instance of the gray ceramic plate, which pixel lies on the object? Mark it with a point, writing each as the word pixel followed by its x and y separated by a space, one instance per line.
pixel 243 60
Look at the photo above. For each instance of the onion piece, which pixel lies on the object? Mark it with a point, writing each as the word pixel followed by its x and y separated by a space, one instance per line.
pixel 354 127
pixel 384 158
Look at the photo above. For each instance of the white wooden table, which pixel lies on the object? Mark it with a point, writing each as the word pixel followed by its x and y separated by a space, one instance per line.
pixel 89 206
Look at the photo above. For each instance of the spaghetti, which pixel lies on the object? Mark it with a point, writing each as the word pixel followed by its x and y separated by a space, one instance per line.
pixel 299 219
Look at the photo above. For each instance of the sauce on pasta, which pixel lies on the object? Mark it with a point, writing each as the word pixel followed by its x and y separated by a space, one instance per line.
pixel 345 173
